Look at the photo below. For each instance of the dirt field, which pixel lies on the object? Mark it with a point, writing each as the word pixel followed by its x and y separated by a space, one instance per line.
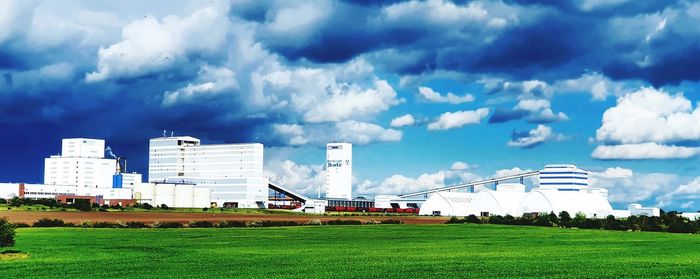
pixel 30 217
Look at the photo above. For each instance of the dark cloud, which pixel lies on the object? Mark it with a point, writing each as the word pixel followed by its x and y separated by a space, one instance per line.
pixel 502 115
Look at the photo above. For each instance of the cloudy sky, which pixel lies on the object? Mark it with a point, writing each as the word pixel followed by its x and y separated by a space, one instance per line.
pixel 430 92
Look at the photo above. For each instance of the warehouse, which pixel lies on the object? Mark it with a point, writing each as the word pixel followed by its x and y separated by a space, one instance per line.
pixel 505 200
pixel 447 204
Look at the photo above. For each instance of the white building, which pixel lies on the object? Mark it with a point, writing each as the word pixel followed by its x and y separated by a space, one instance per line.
pixel 447 204
pixel 636 209
pixel 81 163
pixel 172 195
pixel 563 177
pixel 505 200
pixel 232 172
pixel 339 171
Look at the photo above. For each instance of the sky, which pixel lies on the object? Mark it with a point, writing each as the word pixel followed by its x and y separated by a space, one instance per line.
pixel 431 93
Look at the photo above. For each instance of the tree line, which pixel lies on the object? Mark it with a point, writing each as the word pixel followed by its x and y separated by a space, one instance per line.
pixel 670 221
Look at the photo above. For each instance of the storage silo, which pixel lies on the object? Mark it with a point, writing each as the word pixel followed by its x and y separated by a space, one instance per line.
pixel 165 194
pixel 144 193
pixel 202 197
pixel 184 196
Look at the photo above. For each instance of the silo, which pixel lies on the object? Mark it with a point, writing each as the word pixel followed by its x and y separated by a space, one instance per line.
pixel 184 196
pixel 202 197
pixel 143 193
pixel 165 194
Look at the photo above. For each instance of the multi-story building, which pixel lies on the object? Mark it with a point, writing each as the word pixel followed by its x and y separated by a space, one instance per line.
pixel 233 172
pixel 563 178
pixel 339 171
pixel 81 164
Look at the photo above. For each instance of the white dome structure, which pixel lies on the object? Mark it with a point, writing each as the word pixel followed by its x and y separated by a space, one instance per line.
pixel 504 201
pixel 591 202
pixel 447 204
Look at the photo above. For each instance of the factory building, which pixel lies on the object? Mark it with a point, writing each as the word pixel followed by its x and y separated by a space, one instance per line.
pixel 339 171
pixel 232 172
pixel 505 200
pixel 81 163
pixel 561 188
pixel 447 204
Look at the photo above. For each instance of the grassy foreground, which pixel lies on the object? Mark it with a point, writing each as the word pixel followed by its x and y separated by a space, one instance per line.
pixel 407 251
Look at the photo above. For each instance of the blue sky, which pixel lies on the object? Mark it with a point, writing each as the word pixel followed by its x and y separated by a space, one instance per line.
pixel 430 92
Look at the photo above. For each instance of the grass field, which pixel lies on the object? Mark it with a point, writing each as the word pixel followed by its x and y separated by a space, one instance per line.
pixel 381 251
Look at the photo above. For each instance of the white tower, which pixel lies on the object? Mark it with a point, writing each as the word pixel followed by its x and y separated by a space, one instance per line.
pixel 339 171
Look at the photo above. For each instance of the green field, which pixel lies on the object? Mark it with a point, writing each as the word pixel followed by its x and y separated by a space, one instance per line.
pixel 370 251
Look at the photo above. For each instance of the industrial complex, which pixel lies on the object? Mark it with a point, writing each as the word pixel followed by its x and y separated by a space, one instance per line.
pixel 184 173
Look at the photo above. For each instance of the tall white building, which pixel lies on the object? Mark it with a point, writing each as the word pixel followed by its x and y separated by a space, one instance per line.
pixel 339 171
pixel 563 177
pixel 233 172
pixel 81 164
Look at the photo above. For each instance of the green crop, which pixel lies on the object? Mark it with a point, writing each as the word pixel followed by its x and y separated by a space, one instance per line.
pixel 388 251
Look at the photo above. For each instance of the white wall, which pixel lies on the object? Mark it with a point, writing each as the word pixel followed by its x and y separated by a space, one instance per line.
pixel 82 147
pixel 82 172
pixel 9 190
pixel 339 171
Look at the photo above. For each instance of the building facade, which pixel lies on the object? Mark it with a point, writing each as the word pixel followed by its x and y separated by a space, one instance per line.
pixel 81 164
pixel 563 177
pixel 233 172
pixel 339 171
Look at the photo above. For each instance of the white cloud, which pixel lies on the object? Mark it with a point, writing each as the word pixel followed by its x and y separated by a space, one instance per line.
pixel 647 124
pixel 364 133
pixel 438 11
pixel 149 45
pixel 540 111
pixel 647 150
pixel 626 186
pixel 460 166
pixel 336 93
pixel 650 115
pixel 211 80
pixel 684 196
pixel 451 120
pixel 307 179
pixel 357 132
pixel 536 136
pixel 404 120
pixel 451 98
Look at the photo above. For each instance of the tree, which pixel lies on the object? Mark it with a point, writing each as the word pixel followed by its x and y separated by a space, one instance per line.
pixel 565 219
pixel 15 201
pixel 7 233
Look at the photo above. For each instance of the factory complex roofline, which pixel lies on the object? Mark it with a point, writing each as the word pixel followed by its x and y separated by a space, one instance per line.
pixel 475 183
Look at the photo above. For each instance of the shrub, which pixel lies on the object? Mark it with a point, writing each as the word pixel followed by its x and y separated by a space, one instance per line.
pixel 21 225
pixel 146 206
pixel 164 206
pixel 103 225
pixel 472 219
pixel 169 225
pixel 391 221
pixel 46 223
pixel 279 223
pixel 7 233
pixel 231 224
pixel 343 222
pixel 201 224
pixel 454 220
pixel 3 201
pixel 253 224
pixel 16 201
pixel 136 225
pixel 205 209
